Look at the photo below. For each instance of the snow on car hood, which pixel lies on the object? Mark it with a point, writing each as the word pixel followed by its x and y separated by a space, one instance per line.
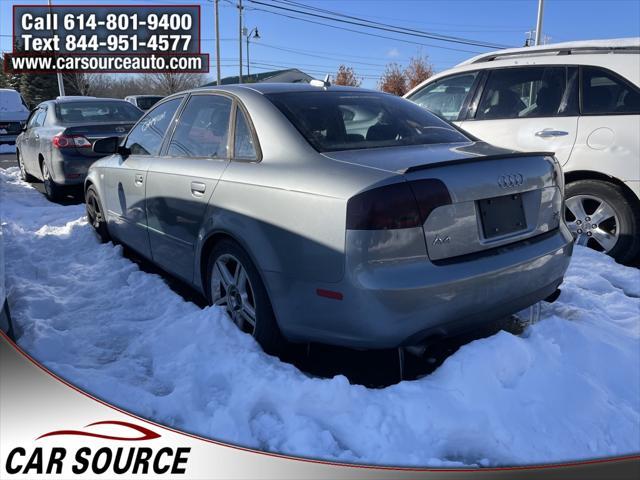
pixel 567 389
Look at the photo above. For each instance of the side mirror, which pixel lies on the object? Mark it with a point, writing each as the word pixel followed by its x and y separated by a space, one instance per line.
pixel 106 145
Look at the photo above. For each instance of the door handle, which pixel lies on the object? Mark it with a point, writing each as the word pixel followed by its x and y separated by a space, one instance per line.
pixel 198 188
pixel 139 179
pixel 549 132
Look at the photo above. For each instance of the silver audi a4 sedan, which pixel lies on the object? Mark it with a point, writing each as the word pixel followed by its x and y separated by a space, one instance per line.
pixel 335 215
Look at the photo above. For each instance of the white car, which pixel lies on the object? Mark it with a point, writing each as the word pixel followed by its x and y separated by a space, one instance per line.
pixel 580 100
pixel 13 115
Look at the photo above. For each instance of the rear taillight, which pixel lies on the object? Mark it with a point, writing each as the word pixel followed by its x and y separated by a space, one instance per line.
pixel 70 141
pixel 401 205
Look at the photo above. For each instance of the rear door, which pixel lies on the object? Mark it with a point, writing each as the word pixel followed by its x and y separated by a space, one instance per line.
pixel 182 180
pixel 528 109
pixel 609 128
pixel 126 182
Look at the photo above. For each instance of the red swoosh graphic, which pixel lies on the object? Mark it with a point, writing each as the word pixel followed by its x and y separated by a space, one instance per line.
pixel 146 433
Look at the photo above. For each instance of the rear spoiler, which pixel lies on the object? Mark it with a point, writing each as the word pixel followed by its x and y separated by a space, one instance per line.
pixel 476 159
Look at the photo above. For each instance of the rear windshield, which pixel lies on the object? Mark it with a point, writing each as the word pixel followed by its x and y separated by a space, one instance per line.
pixel 101 111
pixel 332 121
pixel 145 103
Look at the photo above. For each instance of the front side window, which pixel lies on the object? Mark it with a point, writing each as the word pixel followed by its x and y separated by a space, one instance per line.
pixel 32 119
pixel 203 128
pixel 332 121
pixel 528 92
pixel 146 137
pixel 445 97
pixel 244 147
pixel 603 93
pixel 40 118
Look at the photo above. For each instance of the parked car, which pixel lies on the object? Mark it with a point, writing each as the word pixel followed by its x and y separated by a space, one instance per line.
pixel 143 102
pixel 13 115
pixel 580 100
pixel 336 215
pixel 55 145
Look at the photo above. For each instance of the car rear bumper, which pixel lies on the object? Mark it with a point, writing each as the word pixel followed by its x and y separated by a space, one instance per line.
pixel 394 303
pixel 69 168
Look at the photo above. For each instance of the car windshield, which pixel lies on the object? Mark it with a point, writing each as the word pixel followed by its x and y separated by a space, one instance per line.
pixel 333 121
pixel 145 103
pixel 97 111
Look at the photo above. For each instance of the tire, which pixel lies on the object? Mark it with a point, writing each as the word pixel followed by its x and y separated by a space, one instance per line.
pixel 602 216
pixel 95 214
pixel 24 175
pixel 239 298
pixel 52 190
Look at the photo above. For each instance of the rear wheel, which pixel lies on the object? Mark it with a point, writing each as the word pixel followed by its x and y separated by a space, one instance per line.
pixel 95 214
pixel 601 217
pixel 234 283
pixel 52 190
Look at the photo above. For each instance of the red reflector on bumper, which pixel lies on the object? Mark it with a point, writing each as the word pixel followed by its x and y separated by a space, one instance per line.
pixel 329 294
pixel 73 175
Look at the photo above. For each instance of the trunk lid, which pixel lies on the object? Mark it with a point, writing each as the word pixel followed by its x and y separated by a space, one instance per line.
pixel 497 196
pixel 96 131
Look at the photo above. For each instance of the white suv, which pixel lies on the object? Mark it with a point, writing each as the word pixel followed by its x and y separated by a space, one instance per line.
pixel 580 100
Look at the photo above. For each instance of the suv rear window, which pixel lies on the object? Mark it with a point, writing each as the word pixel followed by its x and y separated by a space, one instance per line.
pixel 97 111
pixel 332 121
pixel 603 93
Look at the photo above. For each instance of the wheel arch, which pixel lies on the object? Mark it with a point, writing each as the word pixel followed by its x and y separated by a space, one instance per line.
pixel 576 175
pixel 206 247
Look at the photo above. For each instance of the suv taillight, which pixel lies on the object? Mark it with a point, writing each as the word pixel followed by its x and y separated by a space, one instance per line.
pixel 70 141
pixel 401 205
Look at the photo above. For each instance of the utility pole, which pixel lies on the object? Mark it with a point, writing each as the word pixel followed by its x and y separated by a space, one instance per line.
pixel 58 74
pixel 240 40
pixel 256 35
pixel 539 22
pixel 217 43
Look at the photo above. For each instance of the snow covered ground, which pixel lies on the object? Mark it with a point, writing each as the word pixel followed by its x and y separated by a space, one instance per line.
pixel 567 389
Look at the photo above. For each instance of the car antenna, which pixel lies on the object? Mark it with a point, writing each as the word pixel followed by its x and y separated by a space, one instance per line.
pixel 321 83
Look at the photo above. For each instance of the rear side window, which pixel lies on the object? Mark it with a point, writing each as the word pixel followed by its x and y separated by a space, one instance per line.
pixel 446 97
pixel 604 93
pixel 528 92
pixel 203 128
pixel 146 137
pixel 351 120
pixel 244 147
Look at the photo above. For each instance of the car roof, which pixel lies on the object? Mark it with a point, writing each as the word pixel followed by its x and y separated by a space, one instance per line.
pixel 85 99
pixel 266 88
pixel 616 45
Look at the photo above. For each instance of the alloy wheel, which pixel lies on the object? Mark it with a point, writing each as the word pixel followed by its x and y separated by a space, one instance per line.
pixel 231 288
pixel 93 212
pixel 23 171
pixel 593 222
pixel 46 177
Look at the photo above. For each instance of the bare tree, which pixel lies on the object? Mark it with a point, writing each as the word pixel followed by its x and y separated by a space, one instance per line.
pixel 393 80
pixel 79 83
pixel 347 77
pixel 418 71
pixel 168 83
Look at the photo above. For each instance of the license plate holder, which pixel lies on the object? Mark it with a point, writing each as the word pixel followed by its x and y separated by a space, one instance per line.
pixel 502 215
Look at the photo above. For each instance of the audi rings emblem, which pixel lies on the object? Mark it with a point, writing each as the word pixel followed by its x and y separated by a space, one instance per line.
pixel 510 181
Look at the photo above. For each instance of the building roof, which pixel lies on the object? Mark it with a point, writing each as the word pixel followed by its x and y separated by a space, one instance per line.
pixel 289 75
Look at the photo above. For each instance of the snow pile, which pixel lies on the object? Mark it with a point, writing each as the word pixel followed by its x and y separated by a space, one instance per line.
pixel 568 389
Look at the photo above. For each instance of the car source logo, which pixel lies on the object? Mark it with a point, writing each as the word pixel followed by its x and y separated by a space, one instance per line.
pixel 510 181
